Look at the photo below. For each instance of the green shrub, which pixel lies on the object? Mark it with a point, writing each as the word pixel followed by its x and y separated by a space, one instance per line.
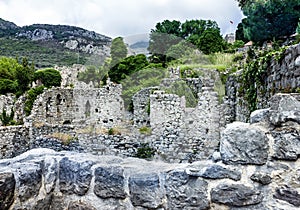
pixel 8 86
pixel 31 96
pixel 145 151
pixel 49 77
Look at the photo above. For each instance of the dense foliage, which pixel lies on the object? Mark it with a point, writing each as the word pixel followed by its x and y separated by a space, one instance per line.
pixel 127 67
pixel 15 77
pixel 197 32
pixel 31 96
pixel 48 77
pixel 270 19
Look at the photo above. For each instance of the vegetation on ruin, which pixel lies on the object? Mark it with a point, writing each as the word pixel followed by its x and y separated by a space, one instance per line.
pixel 145 151
pixel 31 96
pixel 145 130
pixel 7 119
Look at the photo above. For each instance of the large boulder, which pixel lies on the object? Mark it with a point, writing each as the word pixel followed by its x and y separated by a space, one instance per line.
pixel 242 143
pixel 284 108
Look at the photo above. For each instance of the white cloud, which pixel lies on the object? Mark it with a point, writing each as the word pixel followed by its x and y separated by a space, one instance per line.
pixel 119 18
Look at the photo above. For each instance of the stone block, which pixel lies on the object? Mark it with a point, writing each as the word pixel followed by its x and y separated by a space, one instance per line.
pixel 286 144
pixel 145 191
pixel 242 143
pixel 236 195
pixel 288 194
pixel 110 182
pixel 74 177
pixel 186 192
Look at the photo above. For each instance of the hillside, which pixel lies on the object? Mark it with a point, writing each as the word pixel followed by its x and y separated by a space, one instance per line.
pixel 49 45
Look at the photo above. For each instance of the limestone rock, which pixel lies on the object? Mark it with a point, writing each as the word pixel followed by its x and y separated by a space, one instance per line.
pixel 74 177
pixel 219 172
pixel 235 195
pixel 286 144
pixel 289 195
pixel 145 191
pixel 50 173
pixel 260 115
pixel 7 190
pixel 29 180
pixel 284 107
pixel 297 61
pixel 110 182
pixel 78 205
pixel 242 143
pixel 261 178
pixel 185 192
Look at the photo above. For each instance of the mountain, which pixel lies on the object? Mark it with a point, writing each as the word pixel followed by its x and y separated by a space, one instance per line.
pixel 49 45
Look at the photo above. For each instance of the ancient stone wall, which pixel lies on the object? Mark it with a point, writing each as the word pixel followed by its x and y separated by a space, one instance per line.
pixel 256 166
pixel 7 104
pixel 281 76
pixel 101 106
pixel 14 141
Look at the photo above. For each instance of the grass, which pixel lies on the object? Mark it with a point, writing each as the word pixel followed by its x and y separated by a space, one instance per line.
pixel 64 138
pixel 145 130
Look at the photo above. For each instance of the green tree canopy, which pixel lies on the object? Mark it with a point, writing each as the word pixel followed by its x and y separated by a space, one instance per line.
pixel 127 66
pixel 270 19
pixel 15 77
pixel 49 77
pixel 170 33
pixel 118 50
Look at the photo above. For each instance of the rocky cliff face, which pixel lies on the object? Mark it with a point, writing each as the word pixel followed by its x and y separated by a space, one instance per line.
pixel 55 37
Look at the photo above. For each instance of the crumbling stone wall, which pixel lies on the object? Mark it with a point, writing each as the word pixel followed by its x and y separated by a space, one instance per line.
pixel 256 166
pixel 102 106
pixel 14 140
pixel 281 76
pixel 6 103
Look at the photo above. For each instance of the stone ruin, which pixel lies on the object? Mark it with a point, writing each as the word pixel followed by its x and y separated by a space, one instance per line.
pixel 216 164
pixel 256 167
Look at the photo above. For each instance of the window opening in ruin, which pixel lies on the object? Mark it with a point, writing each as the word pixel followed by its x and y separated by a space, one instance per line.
pixel 96 110
pixel 58 99
pixel 87 109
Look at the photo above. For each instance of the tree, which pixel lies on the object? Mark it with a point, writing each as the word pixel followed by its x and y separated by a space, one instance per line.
pixel 118 50
pixel 49 77
pixel 180 50
pixel 239 33
pixel 127 66
pixel 270 19
pixel 162 38
pixel 170 33
pixel 211 41
pixel 298 27
pixel 24 75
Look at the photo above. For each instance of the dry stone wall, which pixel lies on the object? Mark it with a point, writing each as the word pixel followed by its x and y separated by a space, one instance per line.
pixel 281 76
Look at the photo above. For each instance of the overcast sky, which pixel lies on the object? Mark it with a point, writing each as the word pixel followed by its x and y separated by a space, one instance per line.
pixel 119 17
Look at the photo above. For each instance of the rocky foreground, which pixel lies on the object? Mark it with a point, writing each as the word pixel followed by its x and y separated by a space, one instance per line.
pixel 256 167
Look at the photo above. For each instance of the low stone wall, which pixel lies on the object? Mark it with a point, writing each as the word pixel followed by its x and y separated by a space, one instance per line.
pixel 14 141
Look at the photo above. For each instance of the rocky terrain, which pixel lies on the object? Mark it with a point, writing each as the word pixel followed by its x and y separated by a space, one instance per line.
pixel 67 44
